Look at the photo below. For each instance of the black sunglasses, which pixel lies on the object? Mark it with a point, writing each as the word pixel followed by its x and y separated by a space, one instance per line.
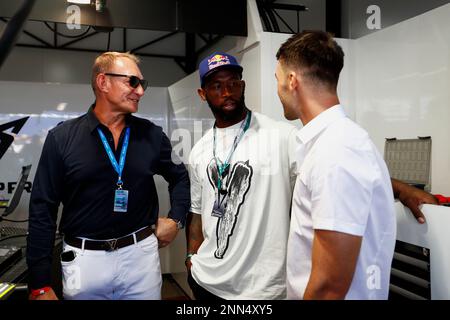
pixel 132 80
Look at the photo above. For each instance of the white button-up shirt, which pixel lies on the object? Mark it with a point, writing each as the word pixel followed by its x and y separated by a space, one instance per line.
pixel 343 185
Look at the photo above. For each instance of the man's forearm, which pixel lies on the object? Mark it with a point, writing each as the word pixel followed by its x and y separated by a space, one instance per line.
pixel 178 178
pixel 321 289
pixel 40 240
pixel 180 199
pixel 334 256
pixel 39 258
pixel 194 233
pixel 397 187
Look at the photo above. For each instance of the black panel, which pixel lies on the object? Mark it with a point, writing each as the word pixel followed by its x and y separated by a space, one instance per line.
pixel 410 269
pixel 135 14
pixel 199 16
pixel 411 287
pixel 410 273
pixel 413 251
pixel 333 17
pixel 214 17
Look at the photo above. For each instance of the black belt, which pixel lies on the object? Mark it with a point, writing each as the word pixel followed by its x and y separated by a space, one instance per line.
pixel 109 245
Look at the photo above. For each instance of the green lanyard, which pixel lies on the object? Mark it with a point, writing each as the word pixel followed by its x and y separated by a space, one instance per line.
pixel 221 168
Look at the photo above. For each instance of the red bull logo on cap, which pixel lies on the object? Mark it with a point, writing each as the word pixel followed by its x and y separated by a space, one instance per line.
pixel 218 60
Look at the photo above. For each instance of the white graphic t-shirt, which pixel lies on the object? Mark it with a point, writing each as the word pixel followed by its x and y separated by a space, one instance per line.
pixel 243 255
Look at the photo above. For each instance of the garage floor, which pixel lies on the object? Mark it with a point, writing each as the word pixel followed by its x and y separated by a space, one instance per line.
pixel 175 287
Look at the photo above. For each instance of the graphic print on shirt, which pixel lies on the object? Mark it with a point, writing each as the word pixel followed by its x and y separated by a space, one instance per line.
pixel 237 182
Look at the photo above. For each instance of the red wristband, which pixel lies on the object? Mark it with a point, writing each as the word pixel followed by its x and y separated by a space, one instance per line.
pixel 39 292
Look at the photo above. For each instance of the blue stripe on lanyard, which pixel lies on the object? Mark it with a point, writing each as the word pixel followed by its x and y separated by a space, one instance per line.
pixel 118 167
pixel 221 168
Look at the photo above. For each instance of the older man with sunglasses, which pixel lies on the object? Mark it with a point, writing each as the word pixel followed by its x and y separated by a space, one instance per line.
pixel 100 166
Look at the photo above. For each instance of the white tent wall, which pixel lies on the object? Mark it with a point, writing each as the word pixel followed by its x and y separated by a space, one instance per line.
pixel 270 103
pixel 402 86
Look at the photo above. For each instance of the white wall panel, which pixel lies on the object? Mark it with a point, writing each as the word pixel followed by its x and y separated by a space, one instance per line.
pixel 402 86
pixel 270 103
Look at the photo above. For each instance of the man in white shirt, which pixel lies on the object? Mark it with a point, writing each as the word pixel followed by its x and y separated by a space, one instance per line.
pixel 242 174
pixel 238 225
pixel 343 227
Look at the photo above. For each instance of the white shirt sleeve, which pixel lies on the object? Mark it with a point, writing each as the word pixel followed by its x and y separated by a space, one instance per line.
pixel 341 191
pixel 196 185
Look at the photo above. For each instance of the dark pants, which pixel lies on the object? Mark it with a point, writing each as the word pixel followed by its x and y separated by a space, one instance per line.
pixel 199 292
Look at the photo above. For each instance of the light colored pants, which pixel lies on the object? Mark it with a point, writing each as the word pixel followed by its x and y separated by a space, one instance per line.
pixel 131 272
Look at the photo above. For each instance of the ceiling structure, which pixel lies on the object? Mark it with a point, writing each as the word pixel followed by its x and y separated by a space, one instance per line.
pixel 172 29
pixel 180 30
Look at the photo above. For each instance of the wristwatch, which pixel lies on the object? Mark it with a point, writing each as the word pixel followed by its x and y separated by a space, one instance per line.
pixel 188 258
pixel 178 222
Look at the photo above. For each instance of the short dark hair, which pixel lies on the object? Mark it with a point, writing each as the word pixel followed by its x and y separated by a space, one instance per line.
pixel 316 53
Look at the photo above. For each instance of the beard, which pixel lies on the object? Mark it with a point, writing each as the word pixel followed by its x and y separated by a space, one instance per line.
pixel 232 115
pixel 287 109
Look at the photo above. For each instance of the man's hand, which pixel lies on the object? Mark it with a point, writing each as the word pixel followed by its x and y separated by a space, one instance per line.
pixel 49 295
pixel 188 264
pixel 194 236
pixel 166 231
pixel 412 198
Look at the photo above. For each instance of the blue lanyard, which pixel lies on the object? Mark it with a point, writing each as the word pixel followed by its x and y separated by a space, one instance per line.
pixel 118 167
pixel 221 168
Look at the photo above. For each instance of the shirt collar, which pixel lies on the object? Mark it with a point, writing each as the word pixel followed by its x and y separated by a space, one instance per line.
pixel 92 119
pixel 93 122
pixel 319 123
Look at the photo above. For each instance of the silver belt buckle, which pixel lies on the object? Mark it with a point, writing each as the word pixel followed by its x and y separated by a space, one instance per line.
pixel 112 245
